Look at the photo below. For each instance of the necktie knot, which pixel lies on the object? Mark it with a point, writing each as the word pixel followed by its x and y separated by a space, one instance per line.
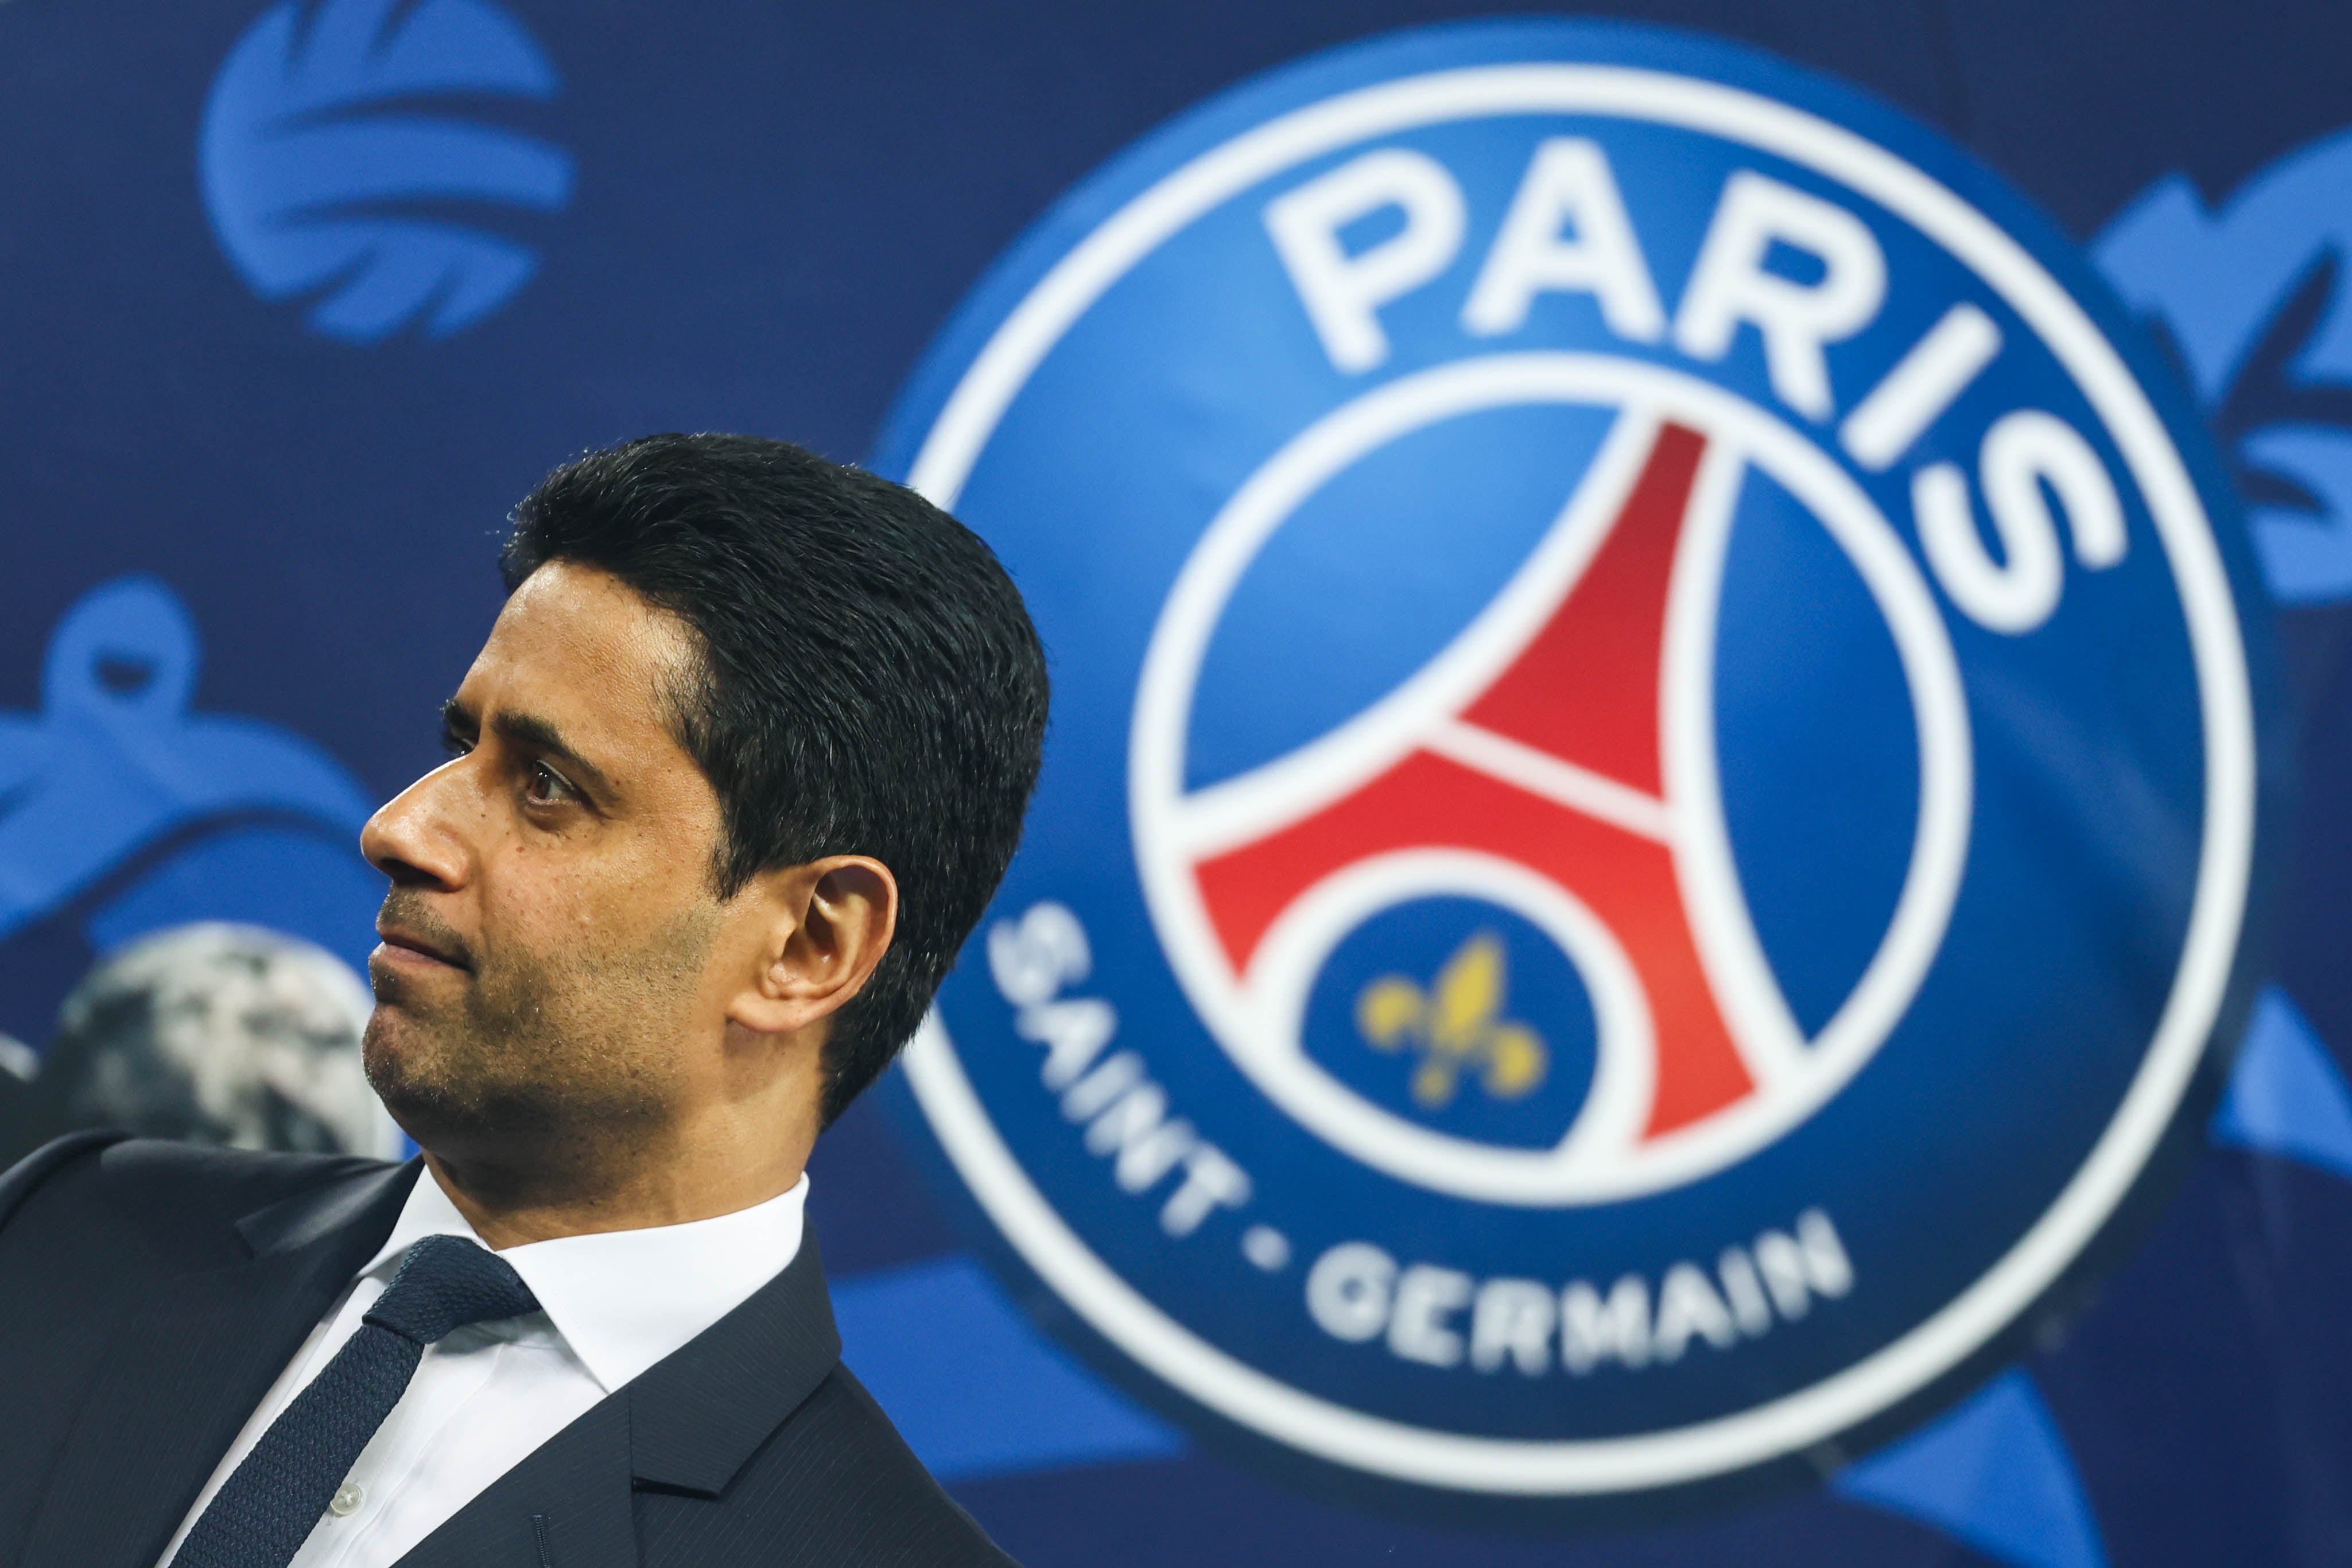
pixel 444 1283
pixel 273 1499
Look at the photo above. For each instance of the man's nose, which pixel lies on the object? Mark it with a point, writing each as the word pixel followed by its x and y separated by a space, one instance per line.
pixel 414 836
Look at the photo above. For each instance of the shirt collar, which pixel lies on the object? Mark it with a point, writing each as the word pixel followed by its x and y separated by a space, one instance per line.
pixel 622 1299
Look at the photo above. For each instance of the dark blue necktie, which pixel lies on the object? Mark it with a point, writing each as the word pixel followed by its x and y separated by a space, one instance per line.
pixel 267 1509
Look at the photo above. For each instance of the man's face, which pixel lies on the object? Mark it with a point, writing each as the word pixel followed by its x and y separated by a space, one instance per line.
pixel 542 978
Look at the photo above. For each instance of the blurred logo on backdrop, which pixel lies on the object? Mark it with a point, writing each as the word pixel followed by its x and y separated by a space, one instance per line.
pixel 2251 293
pixel 183 912
pixel 332 167
pixel 1685 743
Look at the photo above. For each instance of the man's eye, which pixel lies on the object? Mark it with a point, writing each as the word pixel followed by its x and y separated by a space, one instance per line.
pixel 547 786
pixel 454 743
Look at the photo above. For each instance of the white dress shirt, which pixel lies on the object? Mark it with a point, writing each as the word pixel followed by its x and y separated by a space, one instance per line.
pixel 611 1305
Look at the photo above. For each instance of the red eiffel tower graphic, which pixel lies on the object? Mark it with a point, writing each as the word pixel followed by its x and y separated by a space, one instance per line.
pixel 1580 700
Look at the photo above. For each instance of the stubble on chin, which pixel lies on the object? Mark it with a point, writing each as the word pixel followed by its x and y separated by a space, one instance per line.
pixel 533 1064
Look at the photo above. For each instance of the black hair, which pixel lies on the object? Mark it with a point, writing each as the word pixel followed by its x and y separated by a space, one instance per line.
pixel 869 681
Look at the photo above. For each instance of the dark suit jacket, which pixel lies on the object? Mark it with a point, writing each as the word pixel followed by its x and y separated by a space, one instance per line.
pixel 150 1293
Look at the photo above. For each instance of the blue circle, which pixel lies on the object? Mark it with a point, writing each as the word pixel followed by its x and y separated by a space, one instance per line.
pixel 1508 1065
pixel 306 166
pixel 1789 1264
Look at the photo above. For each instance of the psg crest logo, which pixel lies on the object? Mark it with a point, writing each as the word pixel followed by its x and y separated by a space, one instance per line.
pixel 1654 780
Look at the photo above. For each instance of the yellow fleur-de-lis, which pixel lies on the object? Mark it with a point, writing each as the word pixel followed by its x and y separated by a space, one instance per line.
pixel 1457 1026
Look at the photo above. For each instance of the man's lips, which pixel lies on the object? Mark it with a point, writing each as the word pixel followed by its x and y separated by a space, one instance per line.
pixel 404 947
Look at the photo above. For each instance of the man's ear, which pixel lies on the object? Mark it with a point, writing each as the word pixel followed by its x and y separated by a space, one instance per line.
pixel 828 924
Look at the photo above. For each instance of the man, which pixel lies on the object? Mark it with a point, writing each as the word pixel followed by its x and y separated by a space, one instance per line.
pixel 742 761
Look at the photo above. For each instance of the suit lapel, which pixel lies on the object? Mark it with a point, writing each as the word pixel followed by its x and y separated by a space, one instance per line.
pixel 567 1505
pixel 186 1368
pixel 688 1425
pixel 697 1415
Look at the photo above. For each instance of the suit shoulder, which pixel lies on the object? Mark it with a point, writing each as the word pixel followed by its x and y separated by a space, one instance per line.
pixel 182 1198
pixel 888 1509
pixel 835 1485
pixel 21 1180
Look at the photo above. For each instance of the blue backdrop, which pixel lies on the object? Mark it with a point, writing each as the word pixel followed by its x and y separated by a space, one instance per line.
pixel 298 300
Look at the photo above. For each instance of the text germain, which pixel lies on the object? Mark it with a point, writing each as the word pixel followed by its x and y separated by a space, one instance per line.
pixel 1444 1317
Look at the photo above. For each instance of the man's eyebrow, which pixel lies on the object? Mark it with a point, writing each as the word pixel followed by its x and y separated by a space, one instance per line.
pixel 458 719
pixel 531 732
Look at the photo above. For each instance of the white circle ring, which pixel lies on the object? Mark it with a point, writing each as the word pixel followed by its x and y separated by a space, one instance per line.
pixel 1584 1169
pixel 1809 1415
